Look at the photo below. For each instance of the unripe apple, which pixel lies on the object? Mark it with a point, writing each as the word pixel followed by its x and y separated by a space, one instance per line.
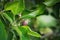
pixel 46 21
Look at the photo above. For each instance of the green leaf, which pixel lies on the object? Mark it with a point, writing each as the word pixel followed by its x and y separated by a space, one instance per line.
pixel 31 15
pixel 30 32
pixel 15 7
pixel 7 17
pixel 51 2
pixel 10 15
pixel 22 33
pixel 3 35
pixel 10 36
pixel 38 11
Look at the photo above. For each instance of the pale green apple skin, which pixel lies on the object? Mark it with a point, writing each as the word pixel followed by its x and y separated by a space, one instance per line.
pixel 46 21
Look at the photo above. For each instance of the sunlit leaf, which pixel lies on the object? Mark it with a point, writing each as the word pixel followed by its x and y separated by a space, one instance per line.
pixel 15 7
pixel 51 2
pixel 38 11
pixel 31 15
pixel 30 32
pixel 22 33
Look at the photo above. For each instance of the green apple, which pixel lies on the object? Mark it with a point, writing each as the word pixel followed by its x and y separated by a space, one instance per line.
pixel 46 30
pixel 46 21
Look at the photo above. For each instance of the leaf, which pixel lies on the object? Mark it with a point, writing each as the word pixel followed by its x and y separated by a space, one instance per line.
pixel 30 32
pixel 51 2
pixel 3 35
pixel 16 7
pixel 38 11
pixel 10 15
pixel 22 33
pixel 10 36
pixel 31 15
pixel 7 17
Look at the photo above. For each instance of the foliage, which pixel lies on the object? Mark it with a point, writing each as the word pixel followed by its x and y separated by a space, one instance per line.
pixel 29 19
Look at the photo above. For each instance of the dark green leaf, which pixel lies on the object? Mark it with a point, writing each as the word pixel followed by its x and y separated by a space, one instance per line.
pixel 3 35
pixel 7 17
pixel 10 36
pixel 10 15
